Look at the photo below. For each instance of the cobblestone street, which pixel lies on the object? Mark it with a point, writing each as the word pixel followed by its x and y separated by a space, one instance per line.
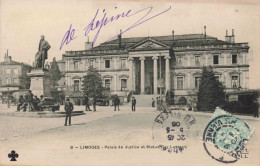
pixel 49 137
pixel 20 126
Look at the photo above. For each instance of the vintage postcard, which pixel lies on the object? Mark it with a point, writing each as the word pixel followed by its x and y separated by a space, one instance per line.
pixel 136 83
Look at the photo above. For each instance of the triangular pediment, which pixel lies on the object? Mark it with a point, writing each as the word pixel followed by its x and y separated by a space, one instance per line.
pixel 149 43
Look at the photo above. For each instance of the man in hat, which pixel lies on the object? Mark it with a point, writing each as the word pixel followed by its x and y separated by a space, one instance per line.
pixel 133 103
pixel 116 102
pixel 20 102
pixel 87 103
pixel 68 109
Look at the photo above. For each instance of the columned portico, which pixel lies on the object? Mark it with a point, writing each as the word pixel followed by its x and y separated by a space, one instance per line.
pixel 142 75
pixel 131 73
pixel 167 72
pixel 155 77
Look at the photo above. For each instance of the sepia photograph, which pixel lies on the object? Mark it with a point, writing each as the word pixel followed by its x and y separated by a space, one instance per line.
pixel 129 83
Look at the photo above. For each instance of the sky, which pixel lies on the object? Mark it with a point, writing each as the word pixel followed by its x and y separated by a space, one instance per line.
pixel 23 22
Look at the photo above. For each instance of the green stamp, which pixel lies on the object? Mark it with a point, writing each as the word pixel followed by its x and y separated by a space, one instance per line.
pixel 225 137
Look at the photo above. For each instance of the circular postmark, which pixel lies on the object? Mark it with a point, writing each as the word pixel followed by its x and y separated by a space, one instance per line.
pixel 224 138
pixel 173 129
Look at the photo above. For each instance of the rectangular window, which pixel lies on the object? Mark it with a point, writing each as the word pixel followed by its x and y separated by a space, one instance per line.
pixel 16 71
pixel 123 84
pixel 215 59
pixel 16 80
pixel 8 81
pixel 91 62
pixel 76 65
pixel 179 63
pixel 234 81
pixel 107 84
pixel 179 83
pixel 197 60
pixel 76 85
pixel 197 82
pixel 234 59
pixel 107 64
pixel 123 63
pixel 7 71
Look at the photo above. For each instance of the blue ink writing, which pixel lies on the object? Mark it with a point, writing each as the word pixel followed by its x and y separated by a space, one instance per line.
pixel 96 24
pixel 69 36
pixel 99 24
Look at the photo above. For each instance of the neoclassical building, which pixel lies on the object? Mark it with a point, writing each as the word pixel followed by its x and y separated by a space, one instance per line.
pixel 160 64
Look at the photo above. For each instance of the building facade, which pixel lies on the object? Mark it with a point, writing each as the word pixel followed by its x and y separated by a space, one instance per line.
pixel 10 78
pixel 160 64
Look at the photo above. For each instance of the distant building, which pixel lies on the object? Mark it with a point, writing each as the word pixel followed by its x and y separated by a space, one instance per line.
pixel 137 64
pixel 10 78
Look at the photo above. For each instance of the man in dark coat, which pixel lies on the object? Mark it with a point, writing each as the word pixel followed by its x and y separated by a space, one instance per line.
pixel 20 103
pixel 68 108
pixel 116 102
pixel 133 103
pixel 30 101
pixel 87 103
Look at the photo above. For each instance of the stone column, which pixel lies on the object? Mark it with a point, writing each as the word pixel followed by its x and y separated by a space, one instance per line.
pixel 115 83
pixel 131 80
pixel 155 76
pixel 142 75
pixel 167 72
pixel 225 58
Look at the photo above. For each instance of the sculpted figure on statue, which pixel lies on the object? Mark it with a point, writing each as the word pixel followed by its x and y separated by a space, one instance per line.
pixel 42 53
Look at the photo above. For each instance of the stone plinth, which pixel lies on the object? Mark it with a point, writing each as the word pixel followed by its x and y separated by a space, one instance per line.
pixel 40 82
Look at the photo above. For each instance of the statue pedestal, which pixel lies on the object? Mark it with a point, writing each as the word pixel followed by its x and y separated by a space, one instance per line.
pixel 40 82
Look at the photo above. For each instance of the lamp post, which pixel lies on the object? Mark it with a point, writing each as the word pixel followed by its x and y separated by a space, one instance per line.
pixel 8 103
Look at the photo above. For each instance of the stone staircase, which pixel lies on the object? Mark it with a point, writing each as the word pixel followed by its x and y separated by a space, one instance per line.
pixel 144 100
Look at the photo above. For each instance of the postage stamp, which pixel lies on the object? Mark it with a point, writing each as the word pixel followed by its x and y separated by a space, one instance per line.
pixel 225 137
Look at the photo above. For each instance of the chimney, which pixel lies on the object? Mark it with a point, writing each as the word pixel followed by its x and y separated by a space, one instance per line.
pixel 7 58
pixel 205 33
pixel 88 45
pixel 172 35
pixel 230 39
pixel 120 39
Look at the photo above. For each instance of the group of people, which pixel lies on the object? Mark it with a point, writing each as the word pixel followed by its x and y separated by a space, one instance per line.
pixel 28 101
pixel 157 103
pixel 116 103
pixel 69 106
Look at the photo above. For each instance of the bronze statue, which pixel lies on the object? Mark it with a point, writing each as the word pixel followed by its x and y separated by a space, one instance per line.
pixel 42 53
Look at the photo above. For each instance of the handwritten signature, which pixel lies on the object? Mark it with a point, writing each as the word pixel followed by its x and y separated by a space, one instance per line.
pixel 99 24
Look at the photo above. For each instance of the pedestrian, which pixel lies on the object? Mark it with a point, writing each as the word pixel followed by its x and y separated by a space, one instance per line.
pixel 30 101
pixel 87 103
pixel 41 98
pixel 158 103
pixel 20 103
pixel 116 102
pixel 133 103
pixel 94 104
pixel 153 103
pixel 68 109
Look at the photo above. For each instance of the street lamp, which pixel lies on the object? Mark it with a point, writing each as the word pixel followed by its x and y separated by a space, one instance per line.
pixel 8 103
